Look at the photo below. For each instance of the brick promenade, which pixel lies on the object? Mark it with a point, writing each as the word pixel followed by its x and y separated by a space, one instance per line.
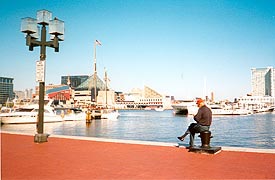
pixel 66 159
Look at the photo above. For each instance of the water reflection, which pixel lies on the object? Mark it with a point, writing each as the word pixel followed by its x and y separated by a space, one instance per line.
pixel 256 131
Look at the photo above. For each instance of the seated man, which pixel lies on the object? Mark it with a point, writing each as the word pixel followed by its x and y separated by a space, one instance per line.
pixel 203 119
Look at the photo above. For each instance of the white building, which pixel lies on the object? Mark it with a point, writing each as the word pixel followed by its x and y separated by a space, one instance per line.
pixel 263 81
pixel 147 97
pixel 263 90
pixel 256 102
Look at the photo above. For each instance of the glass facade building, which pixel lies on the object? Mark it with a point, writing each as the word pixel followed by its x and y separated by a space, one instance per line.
pixel 6 89
pixel 89 84
pixel 74 81
pixel 263 81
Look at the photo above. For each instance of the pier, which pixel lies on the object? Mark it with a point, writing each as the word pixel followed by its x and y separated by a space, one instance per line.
pixel 67 157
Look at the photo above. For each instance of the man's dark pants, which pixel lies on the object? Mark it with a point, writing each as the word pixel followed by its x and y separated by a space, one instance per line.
pixel 196 128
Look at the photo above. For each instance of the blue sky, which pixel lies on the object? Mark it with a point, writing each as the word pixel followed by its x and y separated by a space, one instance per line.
pixel 184 48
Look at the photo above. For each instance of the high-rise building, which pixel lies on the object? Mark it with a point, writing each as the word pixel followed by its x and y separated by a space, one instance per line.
pixel 6 89
pixel 263 81
pixel 28 93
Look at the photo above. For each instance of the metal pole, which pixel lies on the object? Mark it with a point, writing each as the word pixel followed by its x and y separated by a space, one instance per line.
pixel 43 43
pixel 95 78
pixel 41 137
pixel 106 79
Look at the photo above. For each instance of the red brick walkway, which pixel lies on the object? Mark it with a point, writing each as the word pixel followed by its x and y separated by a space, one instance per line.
pixel 82 159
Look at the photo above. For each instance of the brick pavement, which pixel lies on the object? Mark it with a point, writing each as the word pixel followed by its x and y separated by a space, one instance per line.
pixel 63 158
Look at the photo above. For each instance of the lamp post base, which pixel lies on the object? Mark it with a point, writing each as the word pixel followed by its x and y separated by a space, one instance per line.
pixel 40 138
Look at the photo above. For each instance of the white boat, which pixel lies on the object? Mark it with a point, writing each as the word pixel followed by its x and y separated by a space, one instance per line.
pixel 159 109
pixel 29 114
pixel 24 115
pixel 190 108
pixel 217 110
pixel 147 108
pixel 106 111
pixel 71 114
pixel 263 109
pixel 109 114
pixel 75 115
pixel 185 107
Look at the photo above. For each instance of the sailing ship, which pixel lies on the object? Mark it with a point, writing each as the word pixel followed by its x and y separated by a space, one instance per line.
pixel 106 111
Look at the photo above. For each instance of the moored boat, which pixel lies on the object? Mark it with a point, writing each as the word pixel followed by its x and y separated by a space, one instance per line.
pixel 109 114
pixel 71 114
pixel 190 108
pixel 184 107
pixel 159 109
pixel 25 115
pixel 29 114
pixel 218 110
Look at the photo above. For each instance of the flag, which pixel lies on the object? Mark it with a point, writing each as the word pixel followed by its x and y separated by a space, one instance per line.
pixel 97 42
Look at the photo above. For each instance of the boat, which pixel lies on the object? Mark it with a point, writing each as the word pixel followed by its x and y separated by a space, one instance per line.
pixel 101 111
pixel 185 107
pixel 159 109
pixel 6 110
pixel 29 115
pixel 263 109
pixel 108 111
pixel 218 110
pixel 190 108
pixel 71 114
pixel 147 108
pixel 109 114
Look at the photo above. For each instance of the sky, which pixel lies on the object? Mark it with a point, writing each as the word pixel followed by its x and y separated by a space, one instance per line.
pixel 182 48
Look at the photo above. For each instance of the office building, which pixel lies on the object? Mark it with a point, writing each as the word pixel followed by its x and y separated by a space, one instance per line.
pixel 263 81
pixel 6 89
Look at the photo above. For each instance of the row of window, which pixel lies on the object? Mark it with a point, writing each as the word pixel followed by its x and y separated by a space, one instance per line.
pixel 150 100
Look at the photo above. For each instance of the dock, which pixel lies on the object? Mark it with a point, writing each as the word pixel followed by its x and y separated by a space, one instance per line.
pixel 77 158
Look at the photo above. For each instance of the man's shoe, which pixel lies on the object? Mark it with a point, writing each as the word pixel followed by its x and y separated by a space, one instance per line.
pixel 180 138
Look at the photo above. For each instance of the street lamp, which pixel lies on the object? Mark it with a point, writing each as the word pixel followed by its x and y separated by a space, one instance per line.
pixel 32 30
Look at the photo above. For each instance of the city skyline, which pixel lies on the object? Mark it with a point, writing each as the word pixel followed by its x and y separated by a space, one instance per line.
pixel 182 48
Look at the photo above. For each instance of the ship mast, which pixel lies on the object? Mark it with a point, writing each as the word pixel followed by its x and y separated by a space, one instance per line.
pixel 95 72
pixel 106 87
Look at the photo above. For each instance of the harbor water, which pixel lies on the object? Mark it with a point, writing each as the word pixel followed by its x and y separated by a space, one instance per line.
pixel 253 131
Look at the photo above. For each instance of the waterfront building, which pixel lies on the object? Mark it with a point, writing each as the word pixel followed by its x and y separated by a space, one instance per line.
pixel 263 81
pixel 256 102
pixel 6 89
pixel 48 87
pixel 61 93
pixel 142 98
pixel 74 81
pixel 58 92
pixel 84 94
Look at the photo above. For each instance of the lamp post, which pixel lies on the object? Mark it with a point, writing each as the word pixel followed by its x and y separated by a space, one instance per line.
pixel 56 30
